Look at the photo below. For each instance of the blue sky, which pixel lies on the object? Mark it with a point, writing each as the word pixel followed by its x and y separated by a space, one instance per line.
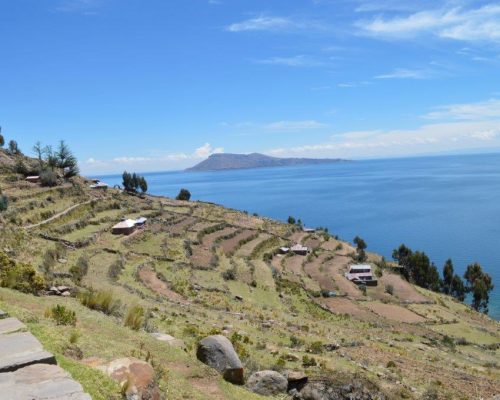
pixel 161 84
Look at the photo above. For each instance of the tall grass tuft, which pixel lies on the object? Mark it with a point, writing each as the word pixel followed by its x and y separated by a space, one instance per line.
pixel 100 301
pixel 134 318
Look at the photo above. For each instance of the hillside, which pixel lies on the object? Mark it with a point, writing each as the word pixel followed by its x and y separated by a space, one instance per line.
pixel 225 161
pixel 198 269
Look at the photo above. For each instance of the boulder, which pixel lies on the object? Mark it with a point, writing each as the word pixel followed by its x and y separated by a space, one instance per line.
pixel 217 352
pixel 267 383
pixel 137 375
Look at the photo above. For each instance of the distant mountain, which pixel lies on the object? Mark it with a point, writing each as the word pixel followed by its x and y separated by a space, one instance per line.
pixel 225 161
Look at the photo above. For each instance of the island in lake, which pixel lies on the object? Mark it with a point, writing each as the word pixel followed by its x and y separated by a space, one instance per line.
pixel 226 161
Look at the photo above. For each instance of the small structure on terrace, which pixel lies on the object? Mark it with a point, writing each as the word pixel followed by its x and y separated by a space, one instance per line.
pixel 99 185
pixel 127 226
pixel 33 179
pixel 299 249
pixel 361 274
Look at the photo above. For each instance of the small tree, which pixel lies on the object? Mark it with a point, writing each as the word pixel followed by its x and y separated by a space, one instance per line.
pixel 360 248
pixel 447 277
pixel 291 220
pixel 143 184
pixel 14 148
pixel 479 283
pixel 4 202
pixel 66 161
pixel 2 140
pixel 39 152
pixel 184 195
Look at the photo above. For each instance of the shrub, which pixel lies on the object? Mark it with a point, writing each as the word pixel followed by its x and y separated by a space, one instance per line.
pixel 391 364
pixel 184 195
pixel 100 301
pixel 48 178
pixel 389 289
pixel 80 269
pixel 4 203
pixel 308 362
pixel 19 276
pixel 61 315
pixel 134 318
pixel 316 347
pixel 230 274
pixel 116 268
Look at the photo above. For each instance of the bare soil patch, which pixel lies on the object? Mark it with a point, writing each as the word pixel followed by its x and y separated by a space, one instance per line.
pixel 342 305
pixel 150 279
pixel 394 312
pixel 230 245
pixel 403 290
pixel 294 264
pixel 182 225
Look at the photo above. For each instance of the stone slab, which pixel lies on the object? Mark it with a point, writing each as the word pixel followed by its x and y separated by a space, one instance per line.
pixel 40 381
pixel 10 325
pixel 19 350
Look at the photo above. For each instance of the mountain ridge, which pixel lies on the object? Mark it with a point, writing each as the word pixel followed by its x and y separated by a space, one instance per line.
pixel 229 161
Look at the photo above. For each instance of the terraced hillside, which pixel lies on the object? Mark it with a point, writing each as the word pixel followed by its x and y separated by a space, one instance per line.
pixel 198 269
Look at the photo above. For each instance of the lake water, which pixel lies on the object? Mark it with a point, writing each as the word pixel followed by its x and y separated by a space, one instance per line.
pixel 447 206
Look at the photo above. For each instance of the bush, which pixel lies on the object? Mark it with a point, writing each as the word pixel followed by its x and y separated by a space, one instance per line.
pixel 4 203
pixel 295 341
pixel 61 315
pixel 19 276
pixel 116 268
pixel 308 362
pixel 80 269
pixel 184 195
pixel 230 274
pixel 134 318
pixel 391 364
pixel 389 289
pixel 316 347
pixel 48 178
pixel 100 301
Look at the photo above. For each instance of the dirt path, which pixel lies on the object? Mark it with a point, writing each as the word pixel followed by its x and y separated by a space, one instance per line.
pixel 149 278
pixel 58 215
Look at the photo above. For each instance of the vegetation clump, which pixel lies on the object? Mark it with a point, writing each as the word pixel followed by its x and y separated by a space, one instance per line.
pixel 184 195
pixel 61 315
pixel 134 318
pixel 133 182
pixel 19 276
pixel 100 301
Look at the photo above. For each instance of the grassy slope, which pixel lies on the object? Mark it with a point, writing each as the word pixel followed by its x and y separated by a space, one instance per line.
pixel 272 311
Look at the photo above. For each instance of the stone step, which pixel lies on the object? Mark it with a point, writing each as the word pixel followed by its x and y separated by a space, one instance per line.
pixel 18 350
pixel 11 325
pixel 40 381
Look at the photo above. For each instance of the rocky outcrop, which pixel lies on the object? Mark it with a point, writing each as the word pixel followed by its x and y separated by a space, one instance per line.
pixel 218 352
pixel 267 383
pixel 137 378
pixel 328 391
pixel 40 381
pixel 29 372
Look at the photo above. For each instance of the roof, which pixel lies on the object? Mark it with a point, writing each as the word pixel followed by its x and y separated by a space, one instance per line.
pixel 98 185
pixel 33 177
pixel 360 266
pixel 128 223
pixel 299 247
pixel 309 230
pixel 141 220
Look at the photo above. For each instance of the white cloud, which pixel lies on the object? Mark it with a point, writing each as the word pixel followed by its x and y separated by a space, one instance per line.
pixel 264 23
pixel 489 109
pixel 402 73
pixel 290 126
pixel 207 150
pixel 479 24
pixel 295 61
pixel 144 164
pixel 456 136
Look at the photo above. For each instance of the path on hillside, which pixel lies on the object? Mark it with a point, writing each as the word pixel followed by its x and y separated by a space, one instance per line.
pixel 58 215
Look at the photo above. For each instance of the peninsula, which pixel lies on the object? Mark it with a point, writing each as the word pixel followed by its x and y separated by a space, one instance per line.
pixel 226 161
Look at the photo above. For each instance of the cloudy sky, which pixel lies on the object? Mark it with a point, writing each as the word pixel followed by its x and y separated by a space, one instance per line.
pixel 161 84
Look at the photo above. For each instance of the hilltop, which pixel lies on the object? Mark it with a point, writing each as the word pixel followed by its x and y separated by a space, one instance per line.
pixel 197 269
pixel 226 161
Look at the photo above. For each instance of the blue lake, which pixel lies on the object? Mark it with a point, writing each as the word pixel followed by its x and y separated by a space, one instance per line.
pixel 447 206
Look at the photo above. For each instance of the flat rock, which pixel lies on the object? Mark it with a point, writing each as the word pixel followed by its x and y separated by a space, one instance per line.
pixel 10 325
pixel 218 352
pixel 170 340
pixel 18 350
pixel 40 381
